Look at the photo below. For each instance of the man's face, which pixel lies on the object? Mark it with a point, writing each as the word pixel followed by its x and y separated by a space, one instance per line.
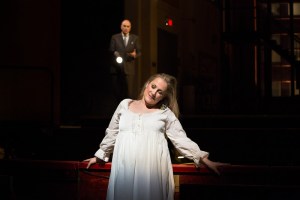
pixel 126 27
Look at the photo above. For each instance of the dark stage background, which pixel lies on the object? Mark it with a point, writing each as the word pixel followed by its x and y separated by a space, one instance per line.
pixel 85 34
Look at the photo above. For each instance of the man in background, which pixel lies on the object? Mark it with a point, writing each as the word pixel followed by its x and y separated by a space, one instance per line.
pixel 125 48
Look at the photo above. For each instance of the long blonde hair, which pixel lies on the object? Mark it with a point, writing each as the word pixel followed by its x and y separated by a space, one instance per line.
pixel 170 100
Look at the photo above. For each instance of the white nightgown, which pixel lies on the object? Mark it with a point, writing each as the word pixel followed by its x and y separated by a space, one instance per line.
pixel 141 163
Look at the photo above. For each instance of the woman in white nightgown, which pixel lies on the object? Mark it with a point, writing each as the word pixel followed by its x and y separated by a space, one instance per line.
pixel 137 137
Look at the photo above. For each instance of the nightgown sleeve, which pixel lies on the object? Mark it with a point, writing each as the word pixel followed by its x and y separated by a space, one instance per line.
pixel 184 145
pixel 111 132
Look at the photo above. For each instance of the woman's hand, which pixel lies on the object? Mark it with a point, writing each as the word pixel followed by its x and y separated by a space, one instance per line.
pixel 91 161
pixel 214 166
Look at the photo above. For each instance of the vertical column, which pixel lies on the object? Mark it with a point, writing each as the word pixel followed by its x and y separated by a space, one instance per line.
pixel 143 14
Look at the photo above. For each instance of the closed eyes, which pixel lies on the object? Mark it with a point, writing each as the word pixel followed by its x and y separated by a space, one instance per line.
pixel 153 86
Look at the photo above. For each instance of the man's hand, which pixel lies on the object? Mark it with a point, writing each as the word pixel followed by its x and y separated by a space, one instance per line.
pixel 133 54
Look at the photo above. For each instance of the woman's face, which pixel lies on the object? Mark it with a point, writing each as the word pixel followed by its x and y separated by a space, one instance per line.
pixel 155 91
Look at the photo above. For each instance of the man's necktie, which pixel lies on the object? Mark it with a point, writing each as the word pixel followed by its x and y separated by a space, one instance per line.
pixel 125 41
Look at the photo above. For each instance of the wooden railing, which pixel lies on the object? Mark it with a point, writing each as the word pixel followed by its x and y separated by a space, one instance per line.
pixel 48 179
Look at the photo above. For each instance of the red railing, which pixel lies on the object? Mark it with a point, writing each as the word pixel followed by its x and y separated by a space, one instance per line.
pixel 48 179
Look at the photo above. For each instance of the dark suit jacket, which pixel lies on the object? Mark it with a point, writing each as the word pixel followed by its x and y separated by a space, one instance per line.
pixel 117 44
